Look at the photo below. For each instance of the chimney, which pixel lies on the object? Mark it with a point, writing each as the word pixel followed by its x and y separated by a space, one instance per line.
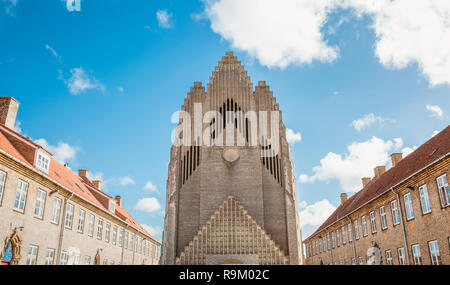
pixel 343 198
pixel 97 184
pixel 83 173
pixel 8 111
pixel 118 200
pixel 396 157
pixel 379 170
pixel 365 181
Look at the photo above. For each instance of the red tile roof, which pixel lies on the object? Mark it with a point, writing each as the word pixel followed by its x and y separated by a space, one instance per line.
pixel 434 149
pixel 80 186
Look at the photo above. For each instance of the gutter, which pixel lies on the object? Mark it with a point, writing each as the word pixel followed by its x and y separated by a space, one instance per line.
pixel 403 225
pixel 418 171
pixel 63 226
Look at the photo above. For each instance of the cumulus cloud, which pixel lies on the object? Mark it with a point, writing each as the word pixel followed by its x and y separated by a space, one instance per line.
pixel 359 161
pixel 293 137
pixel 80 82
pixel 62 152
pixel 366 121
pixel 407 150
pixel 281 33
pixel 126 180
pixel 53 51
pixel 150 186
pixel 277 33
pixel 149 205
pixel 316 213
pixel 436 111
pixel 164 19
pixel 154 231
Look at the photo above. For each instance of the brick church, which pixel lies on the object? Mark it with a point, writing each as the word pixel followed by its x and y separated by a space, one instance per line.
pixel 231 194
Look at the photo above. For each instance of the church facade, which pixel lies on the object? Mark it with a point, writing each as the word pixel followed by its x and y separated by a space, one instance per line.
pixel 231 193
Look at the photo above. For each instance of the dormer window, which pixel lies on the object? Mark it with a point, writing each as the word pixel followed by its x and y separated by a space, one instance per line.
pixel 43 162
pixel 112 206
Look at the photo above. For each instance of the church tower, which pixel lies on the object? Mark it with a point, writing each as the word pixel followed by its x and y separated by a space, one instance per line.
pixel 231 192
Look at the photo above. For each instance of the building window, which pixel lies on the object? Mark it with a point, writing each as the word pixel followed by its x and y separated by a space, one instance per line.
pixel 344 239
pixel 353 261
pixel 105 261
pixel 76 259
pixel 91 225
pixel 338 237
pixel 328 242
pixel 424 199
pixel 81 218
pixel 32 255
pixel 49 256
pixel 107 231
pixel 444 190
pixel 388 257
pixel 333 239
pixel 120 238
pixel 56 210
pixel 434 252
pixel 361 262
pixel 114 235
pixel 401 256
pixel 64 258
pixel 416 254
pixel 125 243
pixel 21 196
pixel 2 185
pixel 40 204
pixel 43 162
pixel 356 229
pixel 100 229
pixel 325 244
pixel 320 245
pixel 383 218
pixel 87 260
pixel 69 216
pixel 373 224
pixel 408 206
pixel 350 233
pixel 364 225
pixel 395 215
pixel 112 206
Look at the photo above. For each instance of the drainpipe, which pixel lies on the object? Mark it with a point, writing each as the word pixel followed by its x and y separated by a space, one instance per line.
pixel 403 225
pixel 61 235
pixel 353 240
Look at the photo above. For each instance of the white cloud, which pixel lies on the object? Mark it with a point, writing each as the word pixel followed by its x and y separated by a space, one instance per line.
pixel 10 6
pixel 96 176
pixel 18 127
pixel 164 19
pixel 435 133
pixel 120 89
pixel 52 50
pixel 150 186
pixel 436 111
pixel 80 82
pixel 293 137
pixel 154 231
pixel 407 150
pixel 358 162
pixel 62 152
pixel 126 180
pixel 302 204
pixel 277 33
pixel 149 205
pixel 316 213
pixel 367 120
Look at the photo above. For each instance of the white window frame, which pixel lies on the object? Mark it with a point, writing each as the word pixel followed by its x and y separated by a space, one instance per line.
pixel 39 206
pixel 81 220
pixel 424 199
pixel 64 258
pixel 114 235
pixel 444 190
pixel 355 223
pixel 395 212
pixel 364 225
pixel 68 220
pixel 112 206
pixel 328 241
pixel 344 239
pixel 338 237
pixel 373 222
pixel 121 236
pixel 408 206
pixel 43 162
pixel 417 256
pixel 50 256
pixel 91 225
pixel 435 255
pixel 56 211
pixel 333 240
pixel 107 231
pixel 87 260
pixel 32 254
pixel 21 196
pixel 2 185
pixel 383 218
pixel 350 232
pixel 100 229
pixel 125 240
pixel 361 261
pixel 401 256
pixel 389 257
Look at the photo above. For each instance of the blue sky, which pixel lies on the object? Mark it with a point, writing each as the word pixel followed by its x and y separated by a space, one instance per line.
pixel 98 86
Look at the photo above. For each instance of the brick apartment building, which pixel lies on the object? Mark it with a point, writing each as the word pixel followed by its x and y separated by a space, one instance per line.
pixel 403 214
pixel 50 215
